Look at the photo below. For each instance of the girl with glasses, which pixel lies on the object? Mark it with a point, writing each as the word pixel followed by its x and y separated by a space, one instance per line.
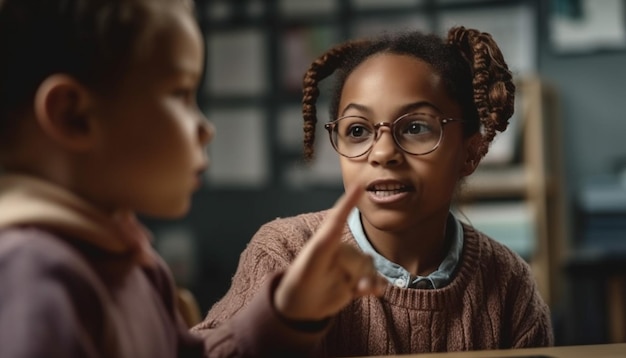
pixel 412 116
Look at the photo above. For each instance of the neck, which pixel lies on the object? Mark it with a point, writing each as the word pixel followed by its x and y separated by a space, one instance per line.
pixel 419 249
pixel 62 174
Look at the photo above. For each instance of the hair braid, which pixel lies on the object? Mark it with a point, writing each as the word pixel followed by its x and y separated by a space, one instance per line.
pixel 321 68
pixel 494 91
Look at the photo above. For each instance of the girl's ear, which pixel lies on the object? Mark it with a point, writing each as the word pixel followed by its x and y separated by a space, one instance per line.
pixel 61 107
pixel 471 155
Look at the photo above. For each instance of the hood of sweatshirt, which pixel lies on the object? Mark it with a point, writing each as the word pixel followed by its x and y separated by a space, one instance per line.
pixel 29 201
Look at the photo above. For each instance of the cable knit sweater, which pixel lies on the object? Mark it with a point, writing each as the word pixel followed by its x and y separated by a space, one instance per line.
pixel 491 303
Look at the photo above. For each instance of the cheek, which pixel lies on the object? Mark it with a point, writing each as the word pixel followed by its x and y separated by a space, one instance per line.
pixel 439 175
pixel 349 171
pixel 458 163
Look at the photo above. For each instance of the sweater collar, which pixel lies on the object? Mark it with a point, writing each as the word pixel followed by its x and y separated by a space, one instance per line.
pixel 25 200
pixel 398 275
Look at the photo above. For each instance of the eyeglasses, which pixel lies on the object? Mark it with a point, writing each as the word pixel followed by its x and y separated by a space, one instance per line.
pixel 415 133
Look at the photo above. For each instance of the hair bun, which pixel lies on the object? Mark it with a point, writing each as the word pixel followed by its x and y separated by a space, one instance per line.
pixel 494 91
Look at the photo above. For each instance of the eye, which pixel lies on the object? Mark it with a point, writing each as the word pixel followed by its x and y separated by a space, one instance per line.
pixel 185 94
pixel 354 129
pixel 416 128
pixel 357 130
pixel 416 125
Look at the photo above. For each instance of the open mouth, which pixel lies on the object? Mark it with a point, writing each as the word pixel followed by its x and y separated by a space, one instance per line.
pixel 383 190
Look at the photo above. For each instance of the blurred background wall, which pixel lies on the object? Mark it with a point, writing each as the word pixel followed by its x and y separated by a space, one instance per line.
pixel 257 52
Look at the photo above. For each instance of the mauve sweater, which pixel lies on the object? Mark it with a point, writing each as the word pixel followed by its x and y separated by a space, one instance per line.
pixel 76 283
pixel 492 301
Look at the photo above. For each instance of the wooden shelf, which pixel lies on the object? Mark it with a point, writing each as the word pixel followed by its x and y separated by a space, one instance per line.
pixel 496 182
pixel 536 181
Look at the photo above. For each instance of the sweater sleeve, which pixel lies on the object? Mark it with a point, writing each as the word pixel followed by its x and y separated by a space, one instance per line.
pixel 532 326
pixel 40 310
pixel 520 315
pixel 244 322
pixel 258 331
pixel 261 258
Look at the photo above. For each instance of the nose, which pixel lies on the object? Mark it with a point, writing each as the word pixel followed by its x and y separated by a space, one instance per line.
pixel 206 130
pixel 384 150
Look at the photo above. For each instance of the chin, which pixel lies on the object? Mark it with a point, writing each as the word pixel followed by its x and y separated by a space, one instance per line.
pixel 388 221
pixel 171 212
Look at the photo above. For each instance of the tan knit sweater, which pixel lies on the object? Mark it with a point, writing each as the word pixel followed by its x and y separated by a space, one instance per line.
pixel 492 301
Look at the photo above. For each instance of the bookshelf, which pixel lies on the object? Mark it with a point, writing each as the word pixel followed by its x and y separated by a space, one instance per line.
pixel 258 51
pixel 532 184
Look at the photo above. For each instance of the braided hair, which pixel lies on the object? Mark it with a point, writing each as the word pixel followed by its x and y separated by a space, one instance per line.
pixel 469 62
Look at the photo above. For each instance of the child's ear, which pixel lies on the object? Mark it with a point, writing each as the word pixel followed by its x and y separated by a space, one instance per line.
pixel 472 158
pixel 61 107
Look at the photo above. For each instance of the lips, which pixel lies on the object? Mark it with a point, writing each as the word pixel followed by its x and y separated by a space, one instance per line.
pixel 388 189
pixel 199 177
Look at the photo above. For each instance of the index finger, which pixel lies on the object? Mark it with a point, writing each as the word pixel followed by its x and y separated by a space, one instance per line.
pixel 329 233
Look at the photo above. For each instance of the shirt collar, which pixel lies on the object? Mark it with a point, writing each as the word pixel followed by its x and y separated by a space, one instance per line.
pixel 395 273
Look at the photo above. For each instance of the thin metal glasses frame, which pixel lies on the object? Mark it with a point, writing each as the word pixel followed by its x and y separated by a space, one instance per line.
pixel 330 127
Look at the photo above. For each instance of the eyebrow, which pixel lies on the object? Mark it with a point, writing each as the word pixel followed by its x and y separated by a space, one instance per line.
pixel 182 71
pixel 358 107
pixel 402 110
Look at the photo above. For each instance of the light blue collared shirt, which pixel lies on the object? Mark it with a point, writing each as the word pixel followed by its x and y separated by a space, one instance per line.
pixel 395 273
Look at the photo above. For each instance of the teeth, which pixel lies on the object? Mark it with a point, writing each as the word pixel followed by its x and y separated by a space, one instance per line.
pixel 386 192
pixel 383 190
pixel 387 187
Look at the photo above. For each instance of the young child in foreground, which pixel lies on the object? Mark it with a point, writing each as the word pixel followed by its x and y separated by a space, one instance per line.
pixel 98 121
pixel 411 115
